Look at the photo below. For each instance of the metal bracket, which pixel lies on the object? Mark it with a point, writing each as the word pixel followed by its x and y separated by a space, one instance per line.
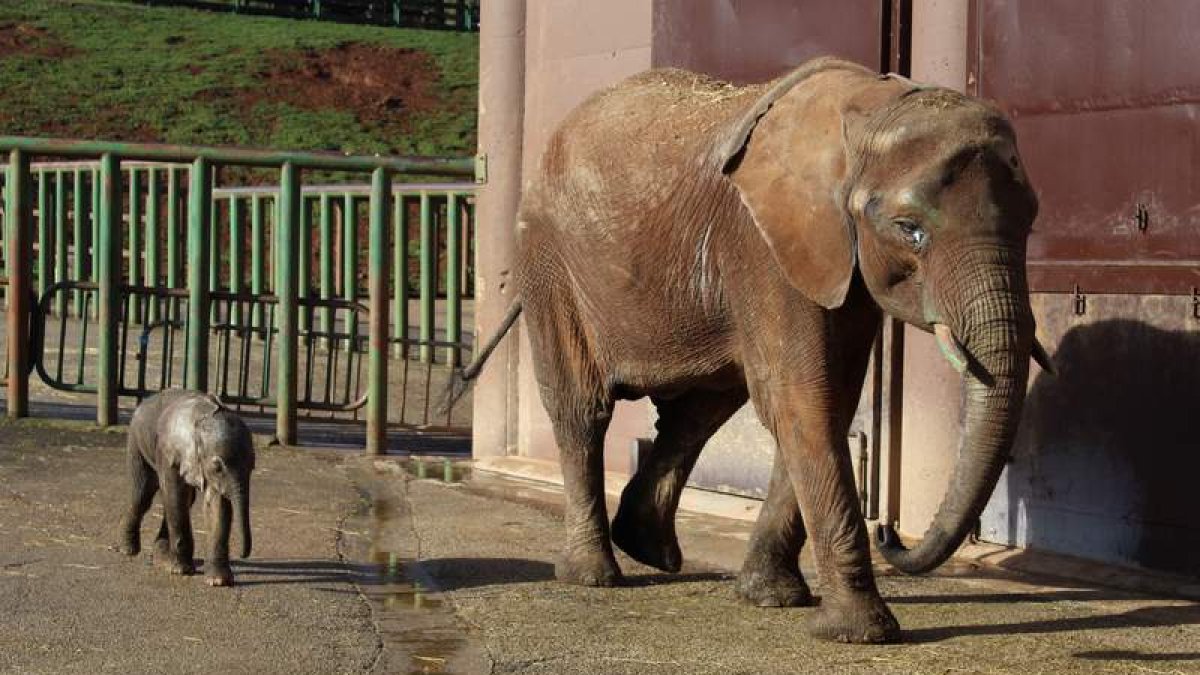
pixel 481 168
pixel 1141 217
pixel 1080 302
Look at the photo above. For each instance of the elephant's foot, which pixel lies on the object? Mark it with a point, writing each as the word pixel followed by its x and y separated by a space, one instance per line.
pixel 130 545
pixel 218 574
pixel 592 568
pixel 167 559
pixel 647 536
pixel 772 587
pixel 858 618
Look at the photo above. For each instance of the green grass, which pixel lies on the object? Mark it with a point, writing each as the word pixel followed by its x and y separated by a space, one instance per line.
pixel 166 74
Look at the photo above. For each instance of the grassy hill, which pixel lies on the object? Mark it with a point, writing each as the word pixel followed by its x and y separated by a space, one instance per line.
pixel 128 72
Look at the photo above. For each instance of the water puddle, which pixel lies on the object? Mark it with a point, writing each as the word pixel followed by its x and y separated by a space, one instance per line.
pixel 420 634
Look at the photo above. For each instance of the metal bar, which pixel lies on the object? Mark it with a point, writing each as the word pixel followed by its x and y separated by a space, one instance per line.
pixel 199 205
pixel 19 221
pixel 400 267
pixel 377 369
pixel 235 257
pixel 214 256
pixel 325 227
pixel 258 263
pixel 60 239
pixel 350 264
pixel 135 237
pixel 93 265
pixel 304 278
pixel 429 166
pixel 428 289
pixel 152 253
pixel 173 261
pixel 109 244
pixel 285 290
pixel 43 237
pixel 453 278
pixel 79 239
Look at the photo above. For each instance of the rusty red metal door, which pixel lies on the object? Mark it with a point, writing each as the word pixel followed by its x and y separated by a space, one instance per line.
pixel 1105 97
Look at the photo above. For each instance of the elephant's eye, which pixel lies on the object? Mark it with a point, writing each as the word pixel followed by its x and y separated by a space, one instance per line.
pixel 912 233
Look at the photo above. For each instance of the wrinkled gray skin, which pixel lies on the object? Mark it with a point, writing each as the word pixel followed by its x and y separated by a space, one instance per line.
pixel 184 443
pixel 704 245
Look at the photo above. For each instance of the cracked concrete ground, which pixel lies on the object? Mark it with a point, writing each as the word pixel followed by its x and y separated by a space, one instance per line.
pixel 358 567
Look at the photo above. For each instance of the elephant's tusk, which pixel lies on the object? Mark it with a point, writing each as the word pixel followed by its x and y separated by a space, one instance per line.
pixel 1042 357
pixel 950 347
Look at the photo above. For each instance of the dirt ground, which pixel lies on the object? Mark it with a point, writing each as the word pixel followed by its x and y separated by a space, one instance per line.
pixel 360 567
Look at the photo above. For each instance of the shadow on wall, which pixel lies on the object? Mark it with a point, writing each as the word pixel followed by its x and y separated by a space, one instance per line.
pixel 1107 464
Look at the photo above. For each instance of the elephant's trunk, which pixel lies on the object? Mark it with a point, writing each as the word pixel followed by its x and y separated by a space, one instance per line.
pixel 240 501
pixel 994 328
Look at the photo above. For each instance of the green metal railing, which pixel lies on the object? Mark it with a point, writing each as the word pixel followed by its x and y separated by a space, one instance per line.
pixel 169 251
pixel 460 15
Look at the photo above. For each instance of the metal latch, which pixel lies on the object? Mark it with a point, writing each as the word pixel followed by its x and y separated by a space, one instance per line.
pixel 481 168
pixel 1080 302
pixel 1141 217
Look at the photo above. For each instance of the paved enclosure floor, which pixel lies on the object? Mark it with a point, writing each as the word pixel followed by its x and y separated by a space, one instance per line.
pixel 358 567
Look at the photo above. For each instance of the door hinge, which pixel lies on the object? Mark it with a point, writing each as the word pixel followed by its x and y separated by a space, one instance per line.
pixel 1080 302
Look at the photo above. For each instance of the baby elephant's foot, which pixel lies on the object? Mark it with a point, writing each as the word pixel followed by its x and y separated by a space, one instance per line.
pixel 859 618
pixel 647 540
pixel 593 568
pixel 218 575
pixel 129 546
pixel 772 588
pixel 171 562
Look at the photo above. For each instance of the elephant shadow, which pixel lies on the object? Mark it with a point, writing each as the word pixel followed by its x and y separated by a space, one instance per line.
pixel 1107 458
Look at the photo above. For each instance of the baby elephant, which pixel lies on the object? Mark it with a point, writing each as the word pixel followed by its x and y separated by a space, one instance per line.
pixel 183 442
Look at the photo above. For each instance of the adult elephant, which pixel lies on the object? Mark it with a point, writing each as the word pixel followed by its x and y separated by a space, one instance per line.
pixel 702 244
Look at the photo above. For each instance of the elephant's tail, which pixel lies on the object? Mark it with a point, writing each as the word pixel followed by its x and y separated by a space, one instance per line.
pixel 460 380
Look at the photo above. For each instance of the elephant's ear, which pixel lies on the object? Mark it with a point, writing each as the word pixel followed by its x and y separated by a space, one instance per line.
pixel 786 157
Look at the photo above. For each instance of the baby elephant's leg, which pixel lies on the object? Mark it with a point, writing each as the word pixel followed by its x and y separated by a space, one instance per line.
pixel 177 502
pixel 145 484
pixel 219 513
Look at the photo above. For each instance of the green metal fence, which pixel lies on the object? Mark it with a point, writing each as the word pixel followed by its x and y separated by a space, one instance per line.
pixel 461 15
pixel 139 271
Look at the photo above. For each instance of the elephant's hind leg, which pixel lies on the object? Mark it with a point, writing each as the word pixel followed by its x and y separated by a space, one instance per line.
pixel 645 524
pixel 770 575
pixel 145 484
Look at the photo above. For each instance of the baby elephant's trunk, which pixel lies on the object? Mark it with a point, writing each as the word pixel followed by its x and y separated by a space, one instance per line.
pixel 241 510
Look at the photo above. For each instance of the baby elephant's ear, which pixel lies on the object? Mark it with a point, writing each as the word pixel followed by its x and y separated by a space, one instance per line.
pixel 789 175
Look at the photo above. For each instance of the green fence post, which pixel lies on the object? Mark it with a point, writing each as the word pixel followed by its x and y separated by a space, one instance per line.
pixel 285 291
pixel 94 266
pixel 350 265
pixel 214 255
pixel 19 226
pixel 258 244
pixel 174 268
pixel 199 220
pixel 428 288
pixel 400 273
pixel 135 241
pixel 397 16
pixel 235 256
pixel 109 264
pixel 60 239
pixel 304 278
pixel 44 249
pixel 152 199
pixel 377 270
pixel 453 278
pixel 80 239
pixel 326 234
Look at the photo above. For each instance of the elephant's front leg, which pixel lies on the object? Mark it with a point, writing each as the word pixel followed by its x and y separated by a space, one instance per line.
pixel 219 513
pixel 812 440
pixel 177 557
